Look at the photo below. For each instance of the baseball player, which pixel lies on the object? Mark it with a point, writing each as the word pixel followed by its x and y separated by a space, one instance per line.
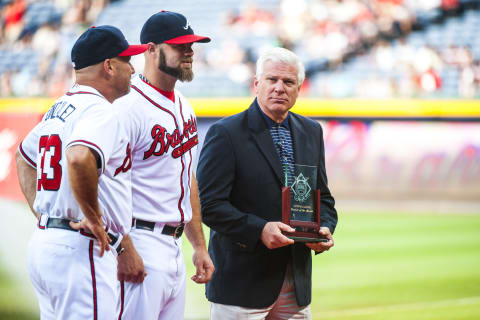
pixel 79 183
pixel 165 194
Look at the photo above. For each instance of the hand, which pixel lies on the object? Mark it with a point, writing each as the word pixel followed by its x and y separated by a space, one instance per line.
pixel 319 247
pixel 130 266
pixel 96 228
pixel 272 235
pixel 204 265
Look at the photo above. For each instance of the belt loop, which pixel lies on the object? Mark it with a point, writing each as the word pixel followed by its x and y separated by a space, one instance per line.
pixel 42 221
pixel 134 223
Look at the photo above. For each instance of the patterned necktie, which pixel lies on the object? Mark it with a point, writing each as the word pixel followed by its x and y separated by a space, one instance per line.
pixel 283 143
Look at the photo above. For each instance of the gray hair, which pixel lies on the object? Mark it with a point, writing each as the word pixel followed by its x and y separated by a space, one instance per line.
pixel 278 54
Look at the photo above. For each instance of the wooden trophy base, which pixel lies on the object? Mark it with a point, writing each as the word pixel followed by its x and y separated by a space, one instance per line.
pixel 306 231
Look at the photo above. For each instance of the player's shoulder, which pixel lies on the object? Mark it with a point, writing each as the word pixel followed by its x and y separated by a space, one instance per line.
pixel 125 103
pixel 128 101
pixel 75 103
pixel 184 101
pixel 86 100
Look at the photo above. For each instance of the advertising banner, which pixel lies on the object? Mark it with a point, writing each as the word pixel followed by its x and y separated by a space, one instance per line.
pixel 13 128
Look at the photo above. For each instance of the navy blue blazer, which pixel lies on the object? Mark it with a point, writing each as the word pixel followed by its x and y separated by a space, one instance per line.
pixel 240 179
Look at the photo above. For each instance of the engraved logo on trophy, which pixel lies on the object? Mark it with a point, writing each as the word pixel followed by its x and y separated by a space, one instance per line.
pixel 301 188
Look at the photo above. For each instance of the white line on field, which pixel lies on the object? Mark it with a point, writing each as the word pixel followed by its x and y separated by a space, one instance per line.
pixel 398 307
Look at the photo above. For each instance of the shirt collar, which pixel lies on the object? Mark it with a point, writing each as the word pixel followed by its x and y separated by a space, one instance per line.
pixel 80 88
pixel 270 123
pixel 167 94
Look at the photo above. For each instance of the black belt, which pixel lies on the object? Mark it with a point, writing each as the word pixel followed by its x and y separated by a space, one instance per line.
pixel 175 232
pixel 60 223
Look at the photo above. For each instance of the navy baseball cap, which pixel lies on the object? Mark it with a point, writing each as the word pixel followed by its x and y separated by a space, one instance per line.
pixel 100 43
pixel 169 27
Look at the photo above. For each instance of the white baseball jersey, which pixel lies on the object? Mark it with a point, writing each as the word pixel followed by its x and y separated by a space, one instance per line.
pixel 164 146
pixel 81 117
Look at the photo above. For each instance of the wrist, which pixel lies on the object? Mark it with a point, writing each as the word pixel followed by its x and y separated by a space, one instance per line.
pixel 96 221
pixel 199 247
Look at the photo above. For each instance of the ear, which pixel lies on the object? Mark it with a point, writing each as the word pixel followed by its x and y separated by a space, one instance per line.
pixel 255 84
pixel 108 66
pixel 151 47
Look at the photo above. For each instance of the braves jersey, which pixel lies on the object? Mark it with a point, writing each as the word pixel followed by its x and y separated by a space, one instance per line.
pixel 81 117
pixel 164 146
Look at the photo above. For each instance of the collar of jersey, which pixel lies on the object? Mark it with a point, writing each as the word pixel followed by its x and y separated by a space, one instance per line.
pixel 80 88
pixel 170 95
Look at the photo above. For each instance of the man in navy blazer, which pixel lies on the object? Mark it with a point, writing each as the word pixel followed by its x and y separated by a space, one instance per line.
pixel 259 272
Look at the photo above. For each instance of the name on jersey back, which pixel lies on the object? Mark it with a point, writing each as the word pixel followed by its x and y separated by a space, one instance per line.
pixel 60 110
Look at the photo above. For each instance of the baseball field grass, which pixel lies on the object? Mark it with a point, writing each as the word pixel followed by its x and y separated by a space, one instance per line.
pixel 384 266
pixel 391 266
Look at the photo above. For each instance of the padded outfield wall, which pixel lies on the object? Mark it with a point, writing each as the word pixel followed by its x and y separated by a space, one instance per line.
pixel 375 149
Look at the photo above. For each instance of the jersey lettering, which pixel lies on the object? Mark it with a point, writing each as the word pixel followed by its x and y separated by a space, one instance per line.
pixel 178 152
pixel 162 140
pixel 60 110
pixel 127 162
pixel 49 173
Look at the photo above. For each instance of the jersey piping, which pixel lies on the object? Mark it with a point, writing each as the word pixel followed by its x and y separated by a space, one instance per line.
pixel 84 92
pixel 180 200
pixel 90 145
pixel 25 157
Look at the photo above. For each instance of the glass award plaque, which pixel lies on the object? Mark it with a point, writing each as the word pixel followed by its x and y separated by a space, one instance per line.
pixel 301 204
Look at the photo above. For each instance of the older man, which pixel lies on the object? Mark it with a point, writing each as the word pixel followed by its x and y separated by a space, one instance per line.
pixel 261 273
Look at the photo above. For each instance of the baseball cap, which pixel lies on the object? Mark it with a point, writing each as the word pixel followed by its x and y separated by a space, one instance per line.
pixel 100 43
pixel 169 27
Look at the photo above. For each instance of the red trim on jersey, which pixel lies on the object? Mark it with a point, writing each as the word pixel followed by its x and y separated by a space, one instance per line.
pixel 176 125
pixel 92 144
pixel 122 298
pixel 183 165
pixel 189 167
pixel 170 95
pixel 25 156
pixel 83 92
pixel 94 281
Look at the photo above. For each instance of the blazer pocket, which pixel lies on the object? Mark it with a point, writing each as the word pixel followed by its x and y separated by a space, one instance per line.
pixel 235 246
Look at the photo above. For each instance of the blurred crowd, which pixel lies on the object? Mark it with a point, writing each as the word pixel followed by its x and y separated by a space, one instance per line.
pixel 326 34
pixel 413 71
pixel 47 29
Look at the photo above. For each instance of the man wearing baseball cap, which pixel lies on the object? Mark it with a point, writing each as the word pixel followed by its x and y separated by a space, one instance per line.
pixel 164 188
pixel 72 171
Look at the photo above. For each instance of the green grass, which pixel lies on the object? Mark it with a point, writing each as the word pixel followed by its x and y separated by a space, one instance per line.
pixel 390 266
pixel 383 266
pixel 15 304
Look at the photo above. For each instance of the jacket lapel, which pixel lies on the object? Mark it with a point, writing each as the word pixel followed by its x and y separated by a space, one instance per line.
pixel 300 141
pixel 263 139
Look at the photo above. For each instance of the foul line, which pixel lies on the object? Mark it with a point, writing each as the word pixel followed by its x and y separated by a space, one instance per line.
pixel 399 307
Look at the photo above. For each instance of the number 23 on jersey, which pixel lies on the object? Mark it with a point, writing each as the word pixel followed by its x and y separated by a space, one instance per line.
pixel 49 174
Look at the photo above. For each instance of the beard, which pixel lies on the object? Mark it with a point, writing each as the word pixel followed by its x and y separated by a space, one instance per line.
pixel 177 72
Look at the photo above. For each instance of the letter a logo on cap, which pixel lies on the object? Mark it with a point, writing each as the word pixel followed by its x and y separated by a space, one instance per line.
pixel 186 26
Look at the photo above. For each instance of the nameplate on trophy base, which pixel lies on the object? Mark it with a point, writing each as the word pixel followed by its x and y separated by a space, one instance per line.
pixel 301 204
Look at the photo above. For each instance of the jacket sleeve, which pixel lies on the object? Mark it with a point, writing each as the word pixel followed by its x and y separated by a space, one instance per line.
pixel 328 214
pixel 216 177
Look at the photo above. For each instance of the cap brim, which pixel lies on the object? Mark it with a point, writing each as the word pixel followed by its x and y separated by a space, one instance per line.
pixel 189 38
pixel 133 50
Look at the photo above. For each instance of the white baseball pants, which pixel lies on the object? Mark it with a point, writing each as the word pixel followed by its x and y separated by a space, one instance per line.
pixel 162 294
pixel 71 280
